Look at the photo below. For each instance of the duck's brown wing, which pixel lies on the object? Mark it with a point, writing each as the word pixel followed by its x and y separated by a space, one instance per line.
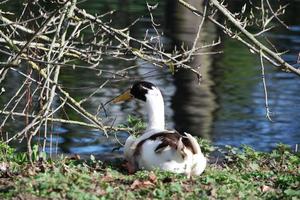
pixel 168 139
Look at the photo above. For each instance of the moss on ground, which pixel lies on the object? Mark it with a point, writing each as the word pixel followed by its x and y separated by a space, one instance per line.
pixel 241 174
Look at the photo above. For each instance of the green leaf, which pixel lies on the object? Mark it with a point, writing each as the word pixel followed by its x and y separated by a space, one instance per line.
pixel 291 192
pixel 171 67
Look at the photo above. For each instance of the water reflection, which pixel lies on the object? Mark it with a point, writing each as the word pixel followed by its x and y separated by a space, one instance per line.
pixel 193 103
pixel 241 116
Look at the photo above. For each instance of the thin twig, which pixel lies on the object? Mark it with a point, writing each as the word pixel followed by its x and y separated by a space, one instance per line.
pixel 65 121
pixel 268 112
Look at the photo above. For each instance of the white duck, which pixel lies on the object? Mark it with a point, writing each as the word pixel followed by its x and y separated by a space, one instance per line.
pixel 158 147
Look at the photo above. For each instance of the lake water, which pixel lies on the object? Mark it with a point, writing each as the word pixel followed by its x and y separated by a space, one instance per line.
pixel 228 107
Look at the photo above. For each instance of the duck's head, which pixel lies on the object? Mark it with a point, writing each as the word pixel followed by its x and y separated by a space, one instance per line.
pixel 151 95
pixel 141 90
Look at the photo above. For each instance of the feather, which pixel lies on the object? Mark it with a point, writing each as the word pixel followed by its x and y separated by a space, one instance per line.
pixel 171 139
pixel 193 143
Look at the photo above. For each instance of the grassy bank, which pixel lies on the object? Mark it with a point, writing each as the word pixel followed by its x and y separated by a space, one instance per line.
pixel 245 174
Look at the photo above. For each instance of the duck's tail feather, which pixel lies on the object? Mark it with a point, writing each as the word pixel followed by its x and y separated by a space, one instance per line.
pixel 194 143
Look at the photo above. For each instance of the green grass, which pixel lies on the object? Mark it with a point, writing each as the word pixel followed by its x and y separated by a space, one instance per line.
pixel 241 174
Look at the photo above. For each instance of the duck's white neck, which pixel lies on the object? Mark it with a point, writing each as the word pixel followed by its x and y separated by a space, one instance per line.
pixel 155 110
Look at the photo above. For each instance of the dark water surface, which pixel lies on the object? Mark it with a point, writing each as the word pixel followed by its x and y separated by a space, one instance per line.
pixel 227 107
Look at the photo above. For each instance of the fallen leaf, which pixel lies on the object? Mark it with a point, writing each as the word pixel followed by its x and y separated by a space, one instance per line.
pixel 100 191
pixel 107 178
pixel 3 167
pixel 266 188
pixel 4 170
pixel 152 177
pixel 213 193
pixel 137 184
pixel 31 171
pixel 188 188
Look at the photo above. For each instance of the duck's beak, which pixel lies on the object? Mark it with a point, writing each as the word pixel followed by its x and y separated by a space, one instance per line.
pixel 123 97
